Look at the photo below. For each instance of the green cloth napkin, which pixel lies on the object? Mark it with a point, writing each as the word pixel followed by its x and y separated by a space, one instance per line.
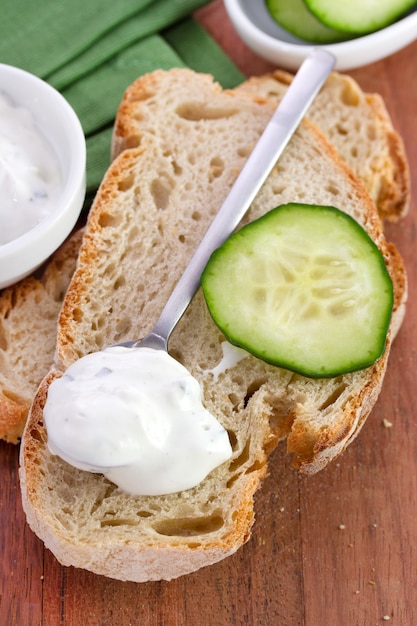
pixel 91 50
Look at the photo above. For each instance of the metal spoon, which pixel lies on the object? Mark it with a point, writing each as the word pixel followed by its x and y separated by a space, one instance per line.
pixel 292 108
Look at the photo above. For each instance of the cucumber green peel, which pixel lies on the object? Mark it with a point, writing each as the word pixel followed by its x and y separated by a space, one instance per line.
pixel 303 287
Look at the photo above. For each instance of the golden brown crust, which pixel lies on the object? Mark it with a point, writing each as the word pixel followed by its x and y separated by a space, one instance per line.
pixel 393 199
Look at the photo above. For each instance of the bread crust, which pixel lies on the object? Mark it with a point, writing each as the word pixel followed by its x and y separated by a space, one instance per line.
pixel 181 146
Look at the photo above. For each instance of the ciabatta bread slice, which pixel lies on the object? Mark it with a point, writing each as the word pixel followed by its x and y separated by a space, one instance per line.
pixel 187 141
pixel 28 322
pixel 360 128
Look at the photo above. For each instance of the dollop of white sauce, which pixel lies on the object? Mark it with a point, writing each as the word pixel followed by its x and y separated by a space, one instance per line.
pixel 30 179
pixel 231 357
pixel 135 415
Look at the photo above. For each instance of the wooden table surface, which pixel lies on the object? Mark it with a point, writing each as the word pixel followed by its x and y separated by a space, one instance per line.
pixel 335 549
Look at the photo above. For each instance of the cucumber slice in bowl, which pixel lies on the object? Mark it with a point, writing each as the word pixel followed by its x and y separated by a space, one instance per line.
pixel 303 287
pixel 358 16
pixel 297 19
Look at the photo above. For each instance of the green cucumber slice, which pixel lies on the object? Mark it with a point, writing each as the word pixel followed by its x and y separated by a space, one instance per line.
pixel 305 288
pixel 358 16
pixel 294 16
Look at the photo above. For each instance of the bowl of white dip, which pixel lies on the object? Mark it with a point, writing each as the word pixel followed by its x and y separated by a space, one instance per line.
pixel 42 172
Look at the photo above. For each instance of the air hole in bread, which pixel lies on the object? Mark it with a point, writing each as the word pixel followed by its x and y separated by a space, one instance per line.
pixel 144 514
pixel 126 183
pixel 349 95
pixel 233 439
pixel 244 151
pixel 77 314
pixel 235 400
pixel 281 417
pixel 370 132
pixel 253 388
pixel 333 397
pixel 176 168
pixel 37 434
pixel 278 190
pixel 123 327
pixel 232 480
pixel 98 322
pixel 216 168
pixel 119 282
pixel 255 467
pixel 333 189
pixel 196 216
pixel 107 220
pixel 197 111
pixel 341 129
pixel 110 268
pixel 189 526
pixel 161 189
pixel 241 459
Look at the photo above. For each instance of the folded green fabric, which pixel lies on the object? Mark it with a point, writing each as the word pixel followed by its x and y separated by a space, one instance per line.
pixel 155 17
pixel 91 50
pixel 43 36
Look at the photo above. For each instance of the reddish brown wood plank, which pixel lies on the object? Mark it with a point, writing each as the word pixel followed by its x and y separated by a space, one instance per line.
pixel 21 571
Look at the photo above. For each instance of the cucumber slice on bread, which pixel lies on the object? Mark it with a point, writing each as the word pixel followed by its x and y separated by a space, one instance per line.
pixel 303 287
pixel 295 17
pixel 358 16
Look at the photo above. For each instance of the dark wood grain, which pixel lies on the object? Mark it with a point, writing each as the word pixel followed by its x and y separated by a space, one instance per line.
pixel 335 549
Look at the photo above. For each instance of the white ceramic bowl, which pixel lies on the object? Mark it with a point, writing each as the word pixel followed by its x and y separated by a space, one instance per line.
pixel 58 123
pixel 264 36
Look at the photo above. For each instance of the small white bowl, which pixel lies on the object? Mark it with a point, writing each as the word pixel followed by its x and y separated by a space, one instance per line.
pixel 264 36
pixel 58 123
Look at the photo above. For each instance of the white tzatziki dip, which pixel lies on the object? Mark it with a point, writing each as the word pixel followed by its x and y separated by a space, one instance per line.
pixel 30 179
pixel 135 415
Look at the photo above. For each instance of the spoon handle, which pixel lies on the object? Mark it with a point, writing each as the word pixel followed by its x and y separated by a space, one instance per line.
pixel 292 108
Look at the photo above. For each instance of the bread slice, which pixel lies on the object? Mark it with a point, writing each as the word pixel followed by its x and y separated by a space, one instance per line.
pixel 28 321
pixel 182 141
pixel 360 128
